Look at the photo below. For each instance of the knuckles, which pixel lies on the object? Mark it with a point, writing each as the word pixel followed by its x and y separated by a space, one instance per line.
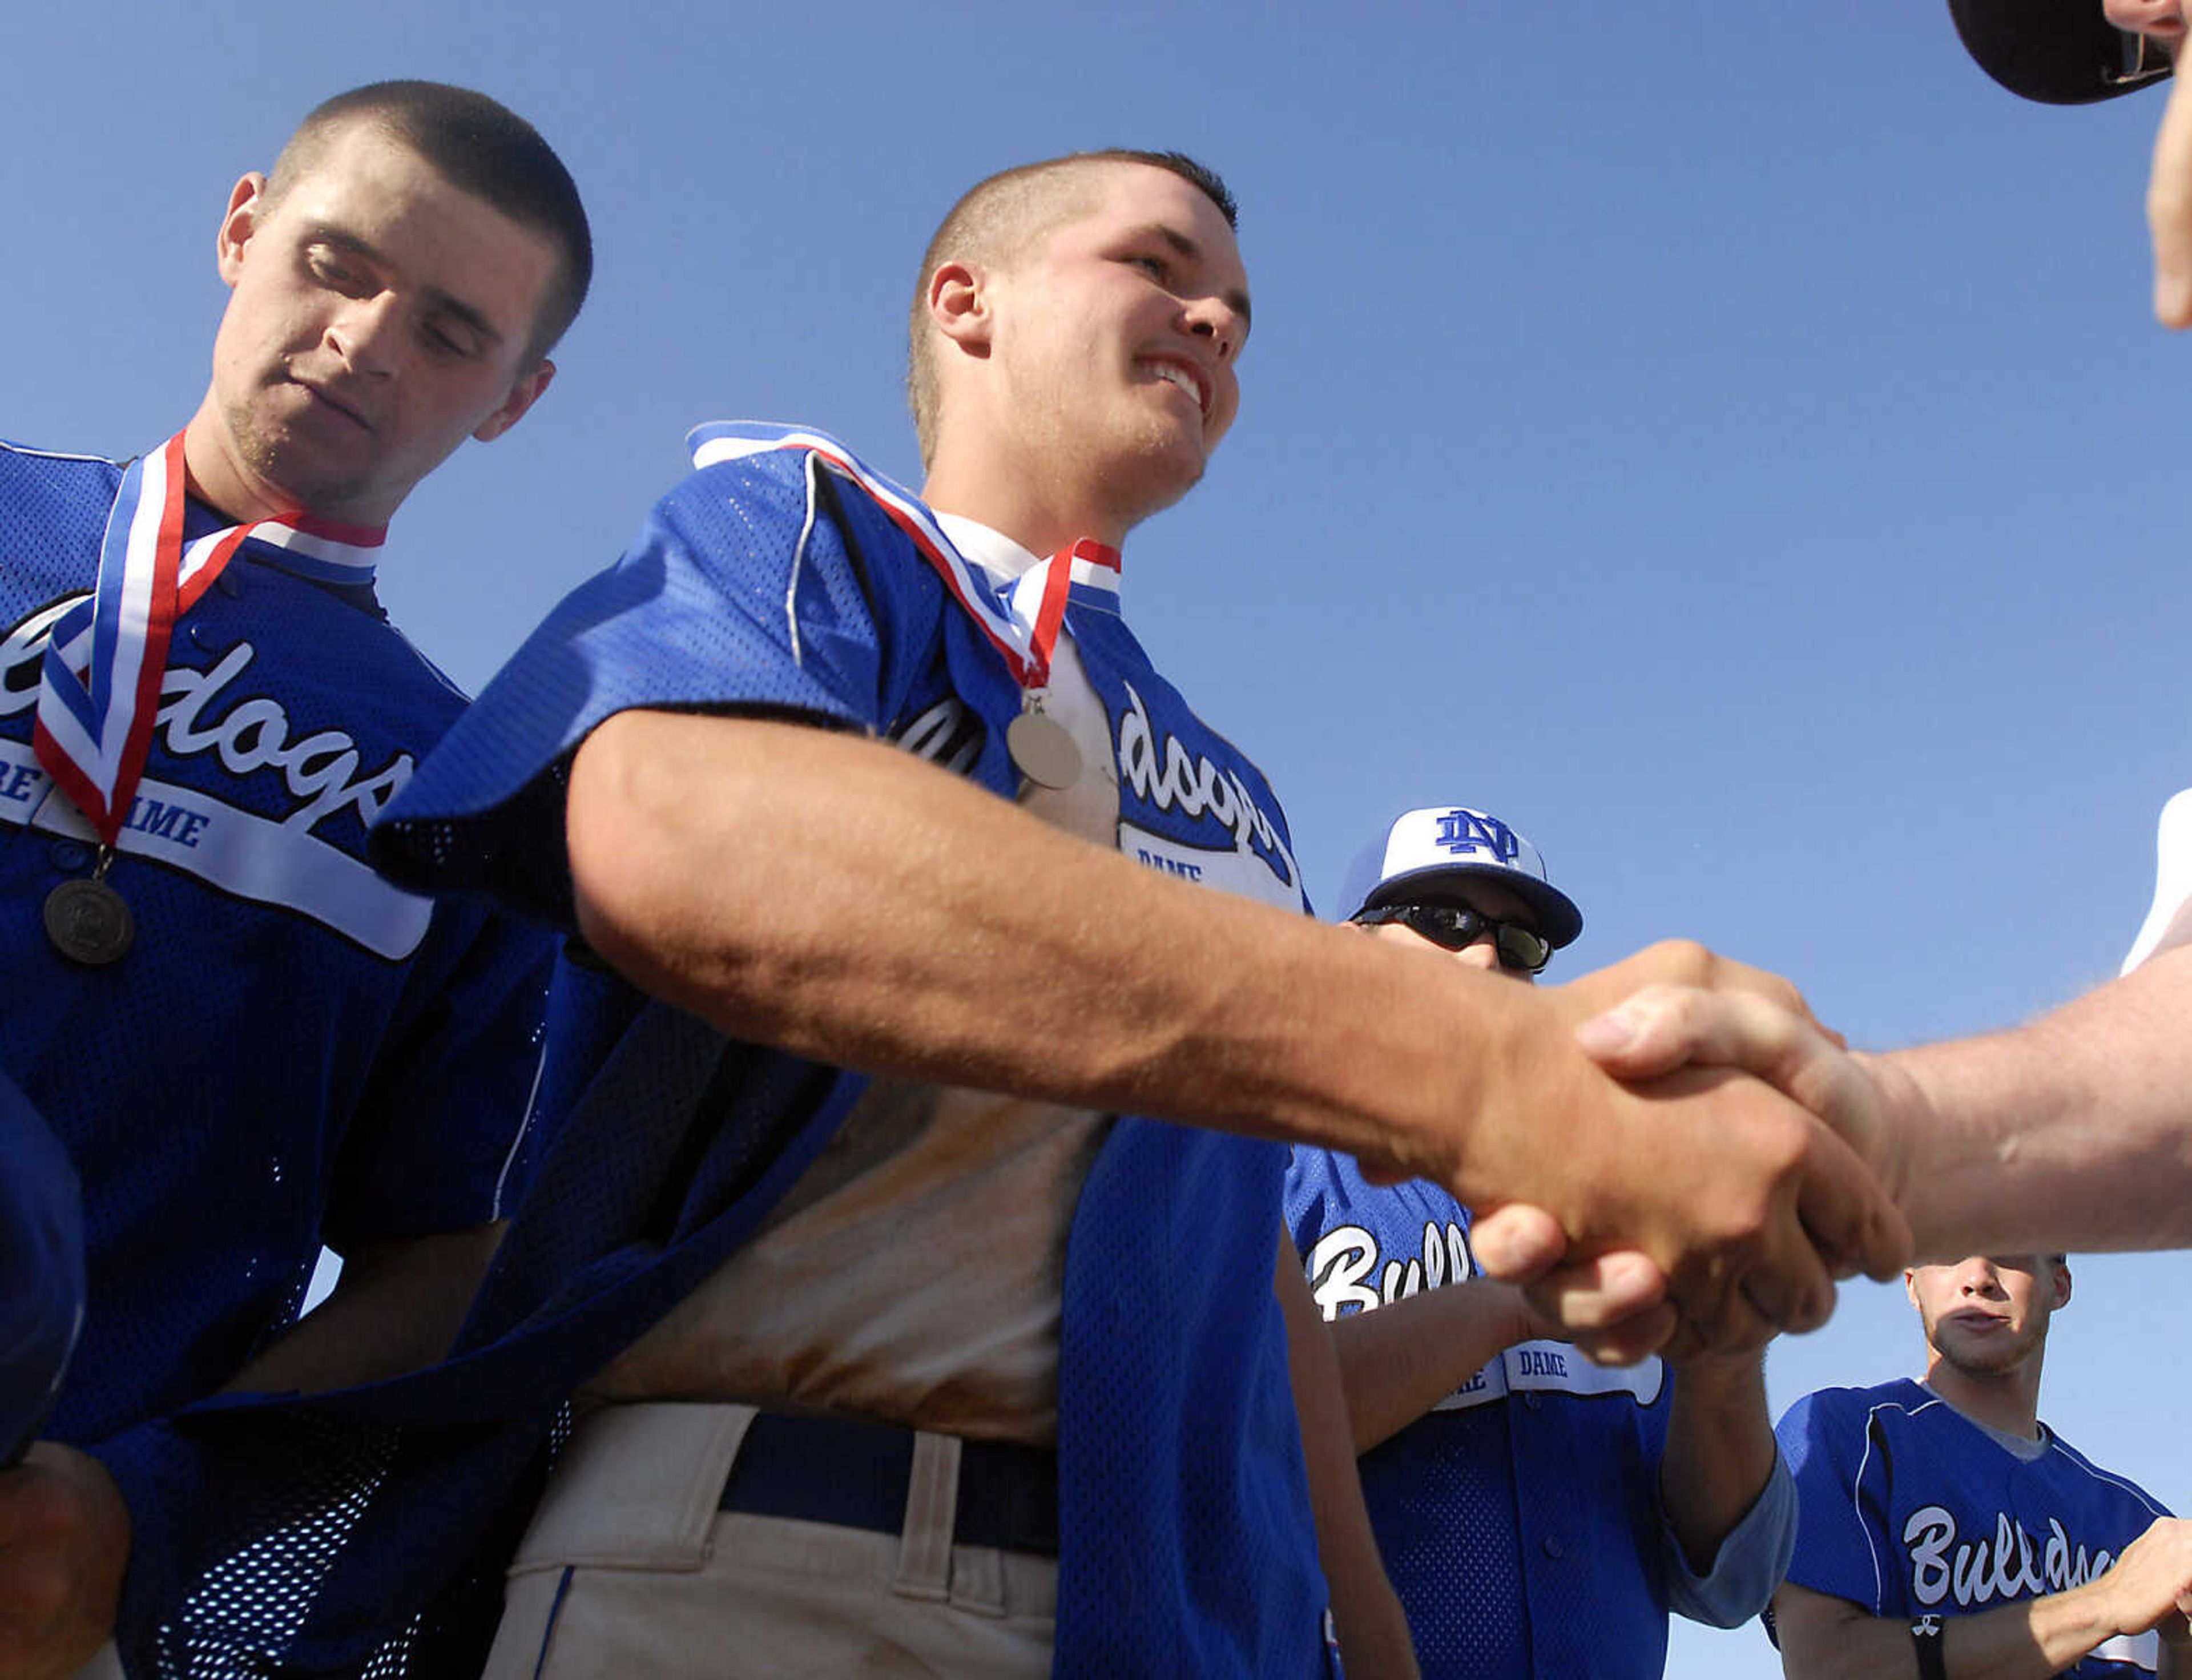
pixel 1678 963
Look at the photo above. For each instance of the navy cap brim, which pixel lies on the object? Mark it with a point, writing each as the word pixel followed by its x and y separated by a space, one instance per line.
pixel 2058 52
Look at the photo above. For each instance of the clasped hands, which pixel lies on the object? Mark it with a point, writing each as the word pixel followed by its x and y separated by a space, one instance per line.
pixel 1716 1157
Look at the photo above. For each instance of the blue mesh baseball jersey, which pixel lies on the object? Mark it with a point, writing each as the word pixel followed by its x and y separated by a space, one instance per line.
pixel 1519 1519
pixel 293 1050
pixel 41 1270
pixel 775 584
pixel 1910 1508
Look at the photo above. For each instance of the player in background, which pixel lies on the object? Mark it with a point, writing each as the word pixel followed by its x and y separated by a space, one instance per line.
pixel 1947 1532
pixel 249 1044
pixel 1537 1513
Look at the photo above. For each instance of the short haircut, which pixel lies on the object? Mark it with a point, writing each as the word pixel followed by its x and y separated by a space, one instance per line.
pixel 997 219
pixel 481 147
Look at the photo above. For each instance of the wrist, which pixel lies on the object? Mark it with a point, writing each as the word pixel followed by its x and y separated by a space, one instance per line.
pixel 1928 1636
pixel 1530 1066
pixel 1523 1324
pixel 1902 1124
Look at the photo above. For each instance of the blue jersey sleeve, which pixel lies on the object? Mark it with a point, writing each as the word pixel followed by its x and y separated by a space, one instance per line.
pixel 749 587
pixel 1314 1199
pixel 1840 1497
pixel 1751 1561
pixel 447 1134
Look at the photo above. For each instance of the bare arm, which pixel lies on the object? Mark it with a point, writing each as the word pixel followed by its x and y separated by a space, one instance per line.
pixel 2073 1132
pixel 396 1308
pixel 1826 1638
pixel 1399 1360
pixel 1719 1452
pixel 1373 1630
pixel 842 899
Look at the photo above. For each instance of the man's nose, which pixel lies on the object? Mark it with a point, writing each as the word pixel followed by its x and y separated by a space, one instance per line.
pixel 1980 1278
pixel 366 334
pixel 1215 319
pixel 1480 952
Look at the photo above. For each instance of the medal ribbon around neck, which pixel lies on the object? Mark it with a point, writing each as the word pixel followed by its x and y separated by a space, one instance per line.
pixel 1039 597
pixel 98 685
pixel 1023 625
pixel 1042 747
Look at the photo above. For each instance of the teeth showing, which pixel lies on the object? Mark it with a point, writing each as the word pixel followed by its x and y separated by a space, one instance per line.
pixel 1180 377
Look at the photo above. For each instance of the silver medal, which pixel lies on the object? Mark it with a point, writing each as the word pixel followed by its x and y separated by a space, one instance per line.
pixel 88 922
pixel 1044 749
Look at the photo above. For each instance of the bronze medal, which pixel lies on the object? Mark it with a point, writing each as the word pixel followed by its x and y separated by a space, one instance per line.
pixel 1044 749
pixel 88 922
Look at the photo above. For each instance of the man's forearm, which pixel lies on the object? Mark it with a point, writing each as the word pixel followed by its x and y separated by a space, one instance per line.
pixel 1373 1629
pixel 2073 1132
pixel 868 910
pixel 397 1307
pixel 844 900
pixel 1824 1638
pixel 1719 1452
pixel 1399 1360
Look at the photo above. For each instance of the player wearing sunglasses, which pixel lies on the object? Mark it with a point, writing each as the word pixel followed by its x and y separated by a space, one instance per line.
pixel 1537 1514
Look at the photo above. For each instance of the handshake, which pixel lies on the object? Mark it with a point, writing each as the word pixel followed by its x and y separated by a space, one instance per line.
pixel 1676 1156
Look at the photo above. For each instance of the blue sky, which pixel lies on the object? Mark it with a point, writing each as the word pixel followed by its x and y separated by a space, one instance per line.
pixel 1730 443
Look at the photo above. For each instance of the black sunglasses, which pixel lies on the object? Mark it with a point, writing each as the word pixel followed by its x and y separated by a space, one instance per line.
pixel 1452 927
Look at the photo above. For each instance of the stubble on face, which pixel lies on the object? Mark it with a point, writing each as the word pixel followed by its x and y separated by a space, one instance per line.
pixel 334 383
pixel 1088 411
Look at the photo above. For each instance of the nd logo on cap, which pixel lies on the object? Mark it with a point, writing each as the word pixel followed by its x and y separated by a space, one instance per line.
pixel 1462 830
pixel 1418 848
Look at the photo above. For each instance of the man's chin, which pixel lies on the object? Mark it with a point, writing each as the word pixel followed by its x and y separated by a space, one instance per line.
pixel 1986 1359
pixel 310 479
pixel 1162 473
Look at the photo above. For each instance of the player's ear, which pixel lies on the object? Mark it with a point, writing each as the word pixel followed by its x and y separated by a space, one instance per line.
pixel 959 305
pixel 523 396
pixel 1911 1285
pixel 247 203
pixel 2059 1271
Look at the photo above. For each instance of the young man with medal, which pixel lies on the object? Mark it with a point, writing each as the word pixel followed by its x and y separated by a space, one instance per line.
pixel 250 1044
pixel 921 1338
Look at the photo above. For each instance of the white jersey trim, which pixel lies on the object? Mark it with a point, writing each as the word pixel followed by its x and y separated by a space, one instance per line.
pixel 238 851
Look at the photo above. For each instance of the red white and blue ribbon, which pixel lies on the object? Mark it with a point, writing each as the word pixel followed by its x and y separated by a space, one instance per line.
pixel 99 686
pixel 1022 625
pixel 1039 594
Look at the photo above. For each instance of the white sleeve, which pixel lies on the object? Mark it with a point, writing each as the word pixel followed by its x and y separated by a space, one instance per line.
pixel 2169 923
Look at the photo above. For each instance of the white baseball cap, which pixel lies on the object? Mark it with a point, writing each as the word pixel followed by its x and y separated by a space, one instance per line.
pixel 1454 841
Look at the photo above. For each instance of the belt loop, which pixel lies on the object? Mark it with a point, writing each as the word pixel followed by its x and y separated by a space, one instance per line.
pixel 977 1580
pixel 932 1510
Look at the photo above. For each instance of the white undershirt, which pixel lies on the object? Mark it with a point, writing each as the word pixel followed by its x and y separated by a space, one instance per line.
pixel 914 1273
